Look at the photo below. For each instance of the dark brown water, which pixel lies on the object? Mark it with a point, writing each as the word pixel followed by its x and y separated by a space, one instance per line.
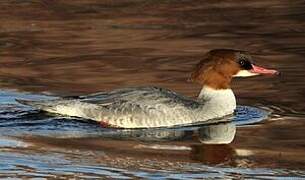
pixel 76 47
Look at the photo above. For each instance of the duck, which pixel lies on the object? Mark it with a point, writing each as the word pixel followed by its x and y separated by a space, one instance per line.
pixel 155 107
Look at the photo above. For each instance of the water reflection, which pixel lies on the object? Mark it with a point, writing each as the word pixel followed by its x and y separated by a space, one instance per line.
pixel 222 133
pixel 213 154
pixel 217 134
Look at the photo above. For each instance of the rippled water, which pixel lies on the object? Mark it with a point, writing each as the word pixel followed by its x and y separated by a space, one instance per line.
pixel 60 48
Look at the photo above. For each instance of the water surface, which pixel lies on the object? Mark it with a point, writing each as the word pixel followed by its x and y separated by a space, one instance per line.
pixel 62 48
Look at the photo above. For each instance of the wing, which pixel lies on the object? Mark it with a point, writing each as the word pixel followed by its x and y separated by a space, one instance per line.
pixel 143 107
pixel 141 97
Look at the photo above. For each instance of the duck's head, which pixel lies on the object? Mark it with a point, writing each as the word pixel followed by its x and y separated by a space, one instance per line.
pixel 219 66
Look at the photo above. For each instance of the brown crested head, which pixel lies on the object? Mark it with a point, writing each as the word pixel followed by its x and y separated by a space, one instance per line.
pixel 219 66
pixel 216 69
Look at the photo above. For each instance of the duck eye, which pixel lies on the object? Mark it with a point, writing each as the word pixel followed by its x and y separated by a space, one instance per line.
pixel 245 64
pixel 242 62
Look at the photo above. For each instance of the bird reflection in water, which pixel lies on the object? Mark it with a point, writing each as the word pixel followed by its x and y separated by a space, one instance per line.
pixel 221 133
pixel 210 143
pixel 214 147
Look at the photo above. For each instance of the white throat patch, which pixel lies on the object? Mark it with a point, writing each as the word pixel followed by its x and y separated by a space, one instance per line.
pixel 245 73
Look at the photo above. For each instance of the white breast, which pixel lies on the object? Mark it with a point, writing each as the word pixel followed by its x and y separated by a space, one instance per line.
pixel 217 103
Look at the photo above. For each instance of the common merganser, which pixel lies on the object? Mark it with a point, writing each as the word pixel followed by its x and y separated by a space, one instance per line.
pixel 146 107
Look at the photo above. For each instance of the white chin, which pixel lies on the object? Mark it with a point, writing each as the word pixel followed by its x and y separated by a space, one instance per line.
pixel 245 73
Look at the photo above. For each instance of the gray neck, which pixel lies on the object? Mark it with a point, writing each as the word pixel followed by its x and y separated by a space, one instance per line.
pixel 216 103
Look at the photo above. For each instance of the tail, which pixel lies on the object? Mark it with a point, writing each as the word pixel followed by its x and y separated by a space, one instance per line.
pixel 42 105
pixel 25 102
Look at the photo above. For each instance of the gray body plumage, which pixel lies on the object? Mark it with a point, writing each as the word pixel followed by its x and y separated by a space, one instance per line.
pixel 139 107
